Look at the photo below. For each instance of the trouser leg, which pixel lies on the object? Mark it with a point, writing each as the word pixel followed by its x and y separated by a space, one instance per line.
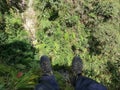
pixel 47 83
pixel 84 83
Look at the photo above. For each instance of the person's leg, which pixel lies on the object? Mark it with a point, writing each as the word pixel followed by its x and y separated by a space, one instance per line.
pixel 84 83
pixel 81 82
pixel 47 81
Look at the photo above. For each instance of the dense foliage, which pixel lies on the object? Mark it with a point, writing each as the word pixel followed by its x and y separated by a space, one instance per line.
pixel 65 28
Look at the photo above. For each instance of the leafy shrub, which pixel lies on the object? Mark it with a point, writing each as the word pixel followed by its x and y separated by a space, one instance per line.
pixel 93 12
pixel 107 37
pixel 14 27
pixel 6 5
pixel 3 37
pixel 105 41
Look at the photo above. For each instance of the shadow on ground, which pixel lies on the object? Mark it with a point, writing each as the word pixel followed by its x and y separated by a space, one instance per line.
pixel 17 52
pixel 17 66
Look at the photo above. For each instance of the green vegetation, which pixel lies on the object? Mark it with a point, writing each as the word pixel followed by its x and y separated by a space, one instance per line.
pixel 89 28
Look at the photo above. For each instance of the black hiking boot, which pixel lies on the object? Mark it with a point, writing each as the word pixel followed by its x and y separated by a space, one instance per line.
pixel 46 65
pixel 77 66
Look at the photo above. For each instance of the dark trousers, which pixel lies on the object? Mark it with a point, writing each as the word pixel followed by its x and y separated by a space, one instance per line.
pixel 82 83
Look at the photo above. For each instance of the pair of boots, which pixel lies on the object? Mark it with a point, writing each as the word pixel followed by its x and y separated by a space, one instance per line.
pixel 45 64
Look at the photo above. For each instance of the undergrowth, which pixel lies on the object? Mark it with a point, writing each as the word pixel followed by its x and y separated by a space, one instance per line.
pixel 64 29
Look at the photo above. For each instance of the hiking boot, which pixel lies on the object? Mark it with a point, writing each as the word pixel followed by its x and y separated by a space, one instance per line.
pixel 77 65
pixel 46 65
